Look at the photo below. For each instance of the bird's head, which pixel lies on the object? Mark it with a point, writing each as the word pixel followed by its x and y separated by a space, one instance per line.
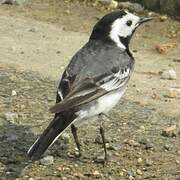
pixel 117 27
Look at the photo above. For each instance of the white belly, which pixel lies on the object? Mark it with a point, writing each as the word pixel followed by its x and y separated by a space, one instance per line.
pixel 102 105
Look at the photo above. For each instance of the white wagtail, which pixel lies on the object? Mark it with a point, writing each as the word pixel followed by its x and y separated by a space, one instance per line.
pixel 94 80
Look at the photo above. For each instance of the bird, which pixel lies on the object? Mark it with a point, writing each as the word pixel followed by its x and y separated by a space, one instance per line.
pixel 94 80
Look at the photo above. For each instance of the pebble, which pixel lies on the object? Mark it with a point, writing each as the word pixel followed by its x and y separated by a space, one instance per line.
pixel 142 128
pixel 174 92
pixel 78 175
pixel 62 146
pixel 96 174
pixel 139 172
pixel 7 2
pixel 177 161
pixel 12 137
pixel 13 93
pixel 70 155
pixel 133 143
pixel 65 137
pixel 130 174
pixel 32 30
pixel 12 2
pixel 113 4
pixel 115 147
pixel 135 7
pixel 139 160
pixel 99 159
pixel 177 59
pixel 104 2
pixel 163 18
pixel 169 131
pixel 11 116
pixel 58 52
pixel 169 74
pixel 66 169
pixel 167 147
pixel 148 162
pixel 48 160
pixel 149 146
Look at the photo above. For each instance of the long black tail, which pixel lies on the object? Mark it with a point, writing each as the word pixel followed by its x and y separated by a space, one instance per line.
pixel 51 133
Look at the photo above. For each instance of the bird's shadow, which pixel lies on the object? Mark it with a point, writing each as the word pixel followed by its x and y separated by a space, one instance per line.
pixel 14 142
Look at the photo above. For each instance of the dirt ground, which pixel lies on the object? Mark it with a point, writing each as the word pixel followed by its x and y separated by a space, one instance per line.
pixel 36 43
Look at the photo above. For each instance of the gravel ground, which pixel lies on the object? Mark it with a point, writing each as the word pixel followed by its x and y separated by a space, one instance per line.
pixel 142 131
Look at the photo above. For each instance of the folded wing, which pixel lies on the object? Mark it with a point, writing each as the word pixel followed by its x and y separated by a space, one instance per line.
pixel 91 89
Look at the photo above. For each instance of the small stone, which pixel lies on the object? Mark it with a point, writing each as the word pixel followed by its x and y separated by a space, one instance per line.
pixel 32 30
pixel 133 143
pixel 59 168
pixel 78 175
pixel 58 52
pixel 121 173
pixel 174 92
pixel 99 159
pixel 148 162
pixel 11 116
pixel 177 59
pixel 7 2
pixel 139 160
pixel 12 137
pixel 66 169
pixel 70 155
pixel 177 161
pixel 142 128
pixel 135 7
pixel 48 160
pixel 169 74
pixel 163 18
pixel 65 137
pixel 113 4
pixel 130 174
pixel 76 153
pixel 169 131
pixel 114 147
pixel 13 93
pixel 63 146
pixel 104 2
pixel 20 2
pixel 64 178
pixel 149 146
pixel 96 174
pixel 147 143
pixel 167 147
pixel 139 172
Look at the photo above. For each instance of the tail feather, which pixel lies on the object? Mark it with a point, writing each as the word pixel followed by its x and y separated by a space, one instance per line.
pixel 49 136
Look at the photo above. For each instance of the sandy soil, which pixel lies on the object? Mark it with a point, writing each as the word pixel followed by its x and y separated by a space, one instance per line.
pixel 37 42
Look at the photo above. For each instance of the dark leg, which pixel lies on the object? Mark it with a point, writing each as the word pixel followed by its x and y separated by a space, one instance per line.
pixel 102 132
pixel 74 132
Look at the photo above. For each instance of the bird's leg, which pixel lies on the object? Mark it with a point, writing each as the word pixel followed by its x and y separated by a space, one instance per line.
pixel 74 132
pixel 102 132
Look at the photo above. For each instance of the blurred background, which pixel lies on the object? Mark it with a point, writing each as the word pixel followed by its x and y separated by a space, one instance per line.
pixel 37 40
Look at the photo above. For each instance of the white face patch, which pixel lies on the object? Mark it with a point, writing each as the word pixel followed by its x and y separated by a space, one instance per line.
pixel 120 28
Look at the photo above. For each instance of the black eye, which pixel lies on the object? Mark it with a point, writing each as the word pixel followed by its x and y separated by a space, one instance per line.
pixel 129 23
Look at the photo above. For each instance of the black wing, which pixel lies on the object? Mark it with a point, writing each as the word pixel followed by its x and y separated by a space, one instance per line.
pixel 93 72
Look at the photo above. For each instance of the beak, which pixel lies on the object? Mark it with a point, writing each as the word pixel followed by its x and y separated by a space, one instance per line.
pixel 145 19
